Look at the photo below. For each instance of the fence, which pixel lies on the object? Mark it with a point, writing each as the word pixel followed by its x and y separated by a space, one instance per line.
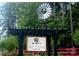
pixel 60 51
pixel 68 51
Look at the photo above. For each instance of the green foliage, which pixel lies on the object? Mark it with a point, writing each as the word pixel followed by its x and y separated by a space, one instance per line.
pixel 27 15
pixel 9 43
pixel 28 18
pixel 76 37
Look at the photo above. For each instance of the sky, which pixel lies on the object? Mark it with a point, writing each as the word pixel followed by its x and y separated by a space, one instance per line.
pixel 1 18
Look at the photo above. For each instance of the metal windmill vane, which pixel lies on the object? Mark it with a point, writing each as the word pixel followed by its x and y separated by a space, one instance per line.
pixel 44 11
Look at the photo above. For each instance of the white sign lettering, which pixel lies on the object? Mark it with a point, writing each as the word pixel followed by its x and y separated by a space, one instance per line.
pixel 36 43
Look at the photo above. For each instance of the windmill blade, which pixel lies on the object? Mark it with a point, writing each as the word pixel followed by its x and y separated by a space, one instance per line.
pixel 44 11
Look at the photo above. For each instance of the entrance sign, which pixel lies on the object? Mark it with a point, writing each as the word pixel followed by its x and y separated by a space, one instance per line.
pixel 36 43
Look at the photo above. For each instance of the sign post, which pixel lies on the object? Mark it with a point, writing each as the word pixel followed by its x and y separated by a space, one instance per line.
pixel 44 34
